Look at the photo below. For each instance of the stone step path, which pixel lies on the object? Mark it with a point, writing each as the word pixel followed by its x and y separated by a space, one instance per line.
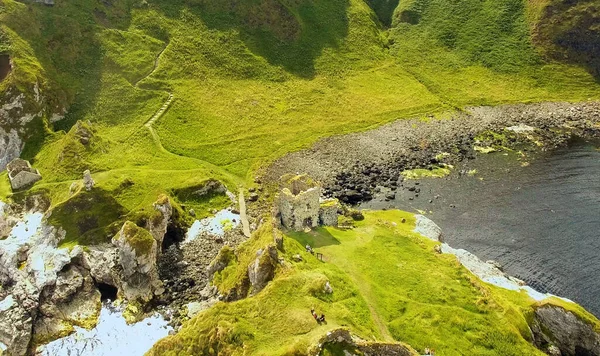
pixel 160 112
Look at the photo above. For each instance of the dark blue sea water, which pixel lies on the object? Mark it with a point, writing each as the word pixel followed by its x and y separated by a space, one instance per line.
pixel 540 221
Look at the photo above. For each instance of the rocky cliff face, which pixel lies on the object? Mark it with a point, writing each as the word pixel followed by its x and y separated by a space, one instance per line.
pixel 556 328
pixel 41 288
pixel 137 260
pixel 22 111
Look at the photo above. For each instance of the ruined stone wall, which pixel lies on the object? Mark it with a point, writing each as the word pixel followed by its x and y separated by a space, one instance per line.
pixel 299 211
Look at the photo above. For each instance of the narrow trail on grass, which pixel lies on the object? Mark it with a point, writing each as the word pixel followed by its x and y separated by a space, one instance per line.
pixel 365 290
pixel 163 109
pixel 156 60
pixel 160 112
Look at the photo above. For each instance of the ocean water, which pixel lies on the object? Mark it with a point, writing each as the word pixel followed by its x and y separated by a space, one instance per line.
pixel 539 219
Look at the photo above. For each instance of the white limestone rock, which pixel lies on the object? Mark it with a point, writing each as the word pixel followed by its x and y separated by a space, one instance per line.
pixel 428 228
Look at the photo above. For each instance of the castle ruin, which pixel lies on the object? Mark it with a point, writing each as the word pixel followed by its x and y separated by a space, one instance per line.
pixel 299 204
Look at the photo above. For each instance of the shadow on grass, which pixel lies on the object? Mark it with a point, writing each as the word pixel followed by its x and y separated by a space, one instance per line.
pixel 576 38
pixel 384 9
pixel 317 238
pixel 290 34
pixel 65 39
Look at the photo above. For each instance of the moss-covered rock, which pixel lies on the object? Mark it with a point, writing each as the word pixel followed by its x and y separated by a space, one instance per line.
pixel 137 253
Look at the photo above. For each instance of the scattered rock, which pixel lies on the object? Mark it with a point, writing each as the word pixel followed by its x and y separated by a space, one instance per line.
pixel 88 181
pixel 297 258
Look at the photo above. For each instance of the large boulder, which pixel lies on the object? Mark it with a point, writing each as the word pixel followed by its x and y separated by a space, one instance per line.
pixel 555 327
pixel 137 259
pixel 102 261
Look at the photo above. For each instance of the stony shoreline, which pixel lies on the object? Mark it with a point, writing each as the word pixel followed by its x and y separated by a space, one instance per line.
pixel 353 167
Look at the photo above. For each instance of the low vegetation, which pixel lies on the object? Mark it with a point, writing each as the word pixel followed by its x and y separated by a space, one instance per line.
pixel 251 81
pixel 380 292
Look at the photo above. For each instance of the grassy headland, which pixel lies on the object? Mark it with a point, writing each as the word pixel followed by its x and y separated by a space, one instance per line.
pixel 388 285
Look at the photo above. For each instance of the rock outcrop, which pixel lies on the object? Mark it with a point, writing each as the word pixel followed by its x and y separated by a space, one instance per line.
pixel 21 112
pixel 137 252
pixel 554 327
pixel 72 300
pixel 39 284
pixel 262 270
pixel 428 228
pixel 21 175
pixel 158 224
pixel 342 341
pixel 11 146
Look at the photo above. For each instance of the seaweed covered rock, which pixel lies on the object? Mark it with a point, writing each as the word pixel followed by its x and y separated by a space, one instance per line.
pixel 137 258
pixel 555 327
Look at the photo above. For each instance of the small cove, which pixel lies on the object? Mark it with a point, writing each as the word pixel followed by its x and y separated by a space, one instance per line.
pixel 538 215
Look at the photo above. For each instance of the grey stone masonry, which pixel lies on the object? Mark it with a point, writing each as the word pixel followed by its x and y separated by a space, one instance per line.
pixel 299 204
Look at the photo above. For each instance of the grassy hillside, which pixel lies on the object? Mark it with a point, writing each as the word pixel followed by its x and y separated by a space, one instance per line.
pixel 170 94
pixel 242 85
pixel 389 285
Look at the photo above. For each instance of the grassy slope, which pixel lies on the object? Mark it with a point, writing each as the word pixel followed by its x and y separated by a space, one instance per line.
pixel 254 84
pixel 380 293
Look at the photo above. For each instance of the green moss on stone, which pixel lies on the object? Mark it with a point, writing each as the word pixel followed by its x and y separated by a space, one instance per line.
pixel 138 238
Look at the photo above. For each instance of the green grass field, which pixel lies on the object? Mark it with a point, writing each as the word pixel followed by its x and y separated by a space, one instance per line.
pixel 389 285
pixel 254 82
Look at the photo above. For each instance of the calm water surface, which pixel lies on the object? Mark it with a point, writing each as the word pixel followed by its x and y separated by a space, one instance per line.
pixel 541 221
